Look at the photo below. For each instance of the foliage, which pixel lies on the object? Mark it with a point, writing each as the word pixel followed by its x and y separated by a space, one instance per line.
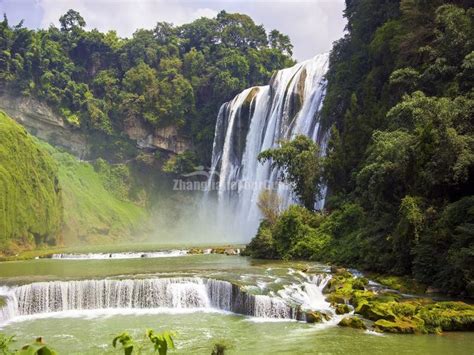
pixel 262 245
pixel 169 75
pixel 98 202
pixel 30 193
pixel 183 163
pixel 162 342
pixel 392 313
pixel 400 159
pixel 5 343
pixel 269 204
pixel 300 166
pixel 38 347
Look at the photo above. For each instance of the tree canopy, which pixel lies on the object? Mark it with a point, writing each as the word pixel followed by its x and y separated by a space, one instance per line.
pixel 168 75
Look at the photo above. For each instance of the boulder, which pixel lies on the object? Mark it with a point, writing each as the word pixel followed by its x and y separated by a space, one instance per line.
pixel 317 317
pixel 352 322
pixel 401 326
pixel 376 311
pixel 342 308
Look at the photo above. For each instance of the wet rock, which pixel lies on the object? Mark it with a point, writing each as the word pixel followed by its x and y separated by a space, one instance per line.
pixel 448 316
pixel 352 322
pixel 400 326
pixel 195 251
pixel 342 309
pixel 376 311
pixel 337 270
pixel 317 317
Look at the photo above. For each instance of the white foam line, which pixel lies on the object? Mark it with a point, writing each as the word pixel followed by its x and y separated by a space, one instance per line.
pixel 123 255
pixel 110 312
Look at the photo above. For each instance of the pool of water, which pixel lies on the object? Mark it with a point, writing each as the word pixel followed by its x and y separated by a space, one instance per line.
pixel 90 331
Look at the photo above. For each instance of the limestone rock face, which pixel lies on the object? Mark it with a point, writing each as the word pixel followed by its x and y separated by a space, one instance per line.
pixel 41 121
pixel 164 138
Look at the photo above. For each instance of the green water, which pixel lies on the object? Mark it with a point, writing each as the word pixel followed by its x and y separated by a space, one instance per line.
pixel 91 332
pixel 197 332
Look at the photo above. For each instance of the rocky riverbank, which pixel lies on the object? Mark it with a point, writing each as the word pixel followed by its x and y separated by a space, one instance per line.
pixel 386 310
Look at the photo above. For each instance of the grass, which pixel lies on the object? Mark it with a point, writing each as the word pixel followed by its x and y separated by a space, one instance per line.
pixel 92 212
pixel 50 198
pixel 30 199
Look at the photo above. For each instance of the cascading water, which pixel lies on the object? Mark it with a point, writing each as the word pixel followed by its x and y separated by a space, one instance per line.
pixel 258 119
pixel 191 293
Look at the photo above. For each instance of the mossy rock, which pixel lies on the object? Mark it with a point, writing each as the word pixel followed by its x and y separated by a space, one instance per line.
pixel 317 317
pixel 360 283
pixel 195 251
pixel 400 326
pixel 3 302
pixel 376 311
pixel 401 283
pixel 448 316
pixel 352 322
pixel 342 309
pixel 361 297
pixel 218 251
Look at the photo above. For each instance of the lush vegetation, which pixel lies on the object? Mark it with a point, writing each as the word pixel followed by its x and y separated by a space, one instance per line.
pixel 102 203
pixel 400 161
pixel 168 75
pixel 49 197
pixel 300 165
pixel 391 312
pixel 30 194
pixel 162 342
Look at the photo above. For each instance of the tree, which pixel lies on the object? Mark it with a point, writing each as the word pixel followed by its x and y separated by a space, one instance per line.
pixel 269 204
pixel 300 165
pixel 281 42
pixel 71 20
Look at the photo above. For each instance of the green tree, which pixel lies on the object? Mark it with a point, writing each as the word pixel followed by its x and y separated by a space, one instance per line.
pixel 300 164
pixel 71 20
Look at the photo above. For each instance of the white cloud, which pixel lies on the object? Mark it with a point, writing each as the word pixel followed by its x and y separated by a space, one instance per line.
pixel 124 16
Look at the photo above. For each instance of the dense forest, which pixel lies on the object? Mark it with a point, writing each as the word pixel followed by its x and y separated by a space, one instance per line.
pixel 400 160
pixel 399 108
pixel 100 84
pixel 169 75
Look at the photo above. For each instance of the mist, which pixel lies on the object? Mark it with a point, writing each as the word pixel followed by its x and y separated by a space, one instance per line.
pixel 195 218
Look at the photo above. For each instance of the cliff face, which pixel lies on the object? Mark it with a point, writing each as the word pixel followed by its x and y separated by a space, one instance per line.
pixel 42 122
pixel 165 138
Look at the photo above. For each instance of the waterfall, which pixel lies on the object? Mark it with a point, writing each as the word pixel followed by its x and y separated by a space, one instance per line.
pixel 123 255
pixel 193 293
pixel 255 120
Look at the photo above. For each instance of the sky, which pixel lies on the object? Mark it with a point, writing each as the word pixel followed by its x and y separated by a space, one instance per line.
pixel 313 25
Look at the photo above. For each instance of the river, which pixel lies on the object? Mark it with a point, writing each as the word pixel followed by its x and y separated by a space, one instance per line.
pixel 78 304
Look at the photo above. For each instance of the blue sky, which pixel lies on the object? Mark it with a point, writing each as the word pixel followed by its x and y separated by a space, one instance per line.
pixel 311 24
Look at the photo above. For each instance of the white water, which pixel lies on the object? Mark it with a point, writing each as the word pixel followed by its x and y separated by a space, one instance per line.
pixel 255 120
pixel 124 255
pixel 160 294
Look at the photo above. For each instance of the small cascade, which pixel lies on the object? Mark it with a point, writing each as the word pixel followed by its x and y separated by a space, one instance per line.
pixel 192 293
pixel 125 255
pixel 308 294
pixel 255 120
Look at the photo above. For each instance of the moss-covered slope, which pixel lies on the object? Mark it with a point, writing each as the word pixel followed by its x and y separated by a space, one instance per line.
pixel 49 197
pixel 96 204
pixel 30 195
